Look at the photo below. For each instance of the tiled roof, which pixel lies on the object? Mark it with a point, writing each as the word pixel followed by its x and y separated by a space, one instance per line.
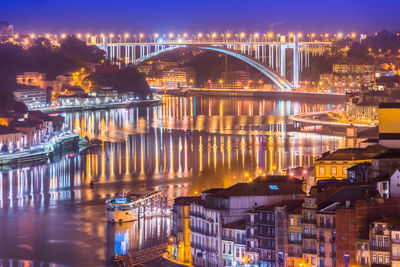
pixel 260 189
pixel 185 200
pixel 355 153
pixel 240 225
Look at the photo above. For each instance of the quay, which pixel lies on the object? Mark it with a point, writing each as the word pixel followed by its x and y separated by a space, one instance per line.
pixel 125 104
pixel 41 153
pixel 255 94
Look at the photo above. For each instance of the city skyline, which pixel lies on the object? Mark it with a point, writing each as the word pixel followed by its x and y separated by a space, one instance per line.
pixel 200 16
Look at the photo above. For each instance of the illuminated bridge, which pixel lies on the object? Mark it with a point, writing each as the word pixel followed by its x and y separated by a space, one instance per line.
pixel 267 57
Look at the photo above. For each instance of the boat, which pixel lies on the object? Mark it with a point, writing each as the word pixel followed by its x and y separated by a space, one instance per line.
pixel 129 207
pixel 121 209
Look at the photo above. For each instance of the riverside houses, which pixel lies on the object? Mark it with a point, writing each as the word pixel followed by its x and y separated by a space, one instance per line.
pixel 218 207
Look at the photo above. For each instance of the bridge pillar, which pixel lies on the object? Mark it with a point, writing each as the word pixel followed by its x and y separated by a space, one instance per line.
pixel 296 63
pixel 283 60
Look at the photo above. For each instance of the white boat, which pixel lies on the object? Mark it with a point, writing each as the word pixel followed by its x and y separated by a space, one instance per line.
pixel 121 209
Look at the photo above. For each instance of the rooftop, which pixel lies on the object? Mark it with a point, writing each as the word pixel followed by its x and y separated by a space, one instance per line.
pixel 292 206
pixel 392 221
pixel 260 188
pixel 240 225
pixel 354 153
pixel 185 200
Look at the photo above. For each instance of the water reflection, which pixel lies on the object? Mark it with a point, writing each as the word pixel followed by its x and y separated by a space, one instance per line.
pixel 49 214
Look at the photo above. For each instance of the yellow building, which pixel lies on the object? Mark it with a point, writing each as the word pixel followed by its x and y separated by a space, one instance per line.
pixel 181 249
pixel 334 165
pixel 295 256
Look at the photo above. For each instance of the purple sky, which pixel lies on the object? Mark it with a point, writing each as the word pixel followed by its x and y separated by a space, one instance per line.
pixel 95 16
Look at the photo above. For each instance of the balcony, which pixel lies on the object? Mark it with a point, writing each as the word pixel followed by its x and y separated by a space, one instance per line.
pixel 197 245
pixel 297 242
pixel 251 249
pixel 309 236
pixel 240 241
pixel 197 214
pixel 309 221
pixel 212 250
pixel 396 241
pixel 378 231
pixel 309 251
pixel 228 238
pixel 378 248
pixel 325 225
pixel 198 230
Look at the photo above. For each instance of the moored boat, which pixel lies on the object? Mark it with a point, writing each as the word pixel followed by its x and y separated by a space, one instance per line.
pixel 121 209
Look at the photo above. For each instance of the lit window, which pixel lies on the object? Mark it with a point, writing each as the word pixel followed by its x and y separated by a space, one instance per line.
pixel 273 187
pixel 333 170
pixel 321 170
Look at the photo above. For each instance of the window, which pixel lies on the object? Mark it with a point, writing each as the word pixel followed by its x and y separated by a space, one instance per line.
pixel 328 221
pixel 374 258
pixel 374 242
pixel 291 221
pixel 306 229
pixel 237 253
pixel 299 236
pixel 313 230
pixel 384 185
pixel 273 187
pixel 291 236
pixel 344 170
pixel 321 170
pixel 322 249
pixel 230 249
pixel 387 259
pixel 380 242
pixel 322 263
pixel 333 170
pixel 386 242
pixel 380 258
pixel 321 221
pixel 224 249
pixel 298 221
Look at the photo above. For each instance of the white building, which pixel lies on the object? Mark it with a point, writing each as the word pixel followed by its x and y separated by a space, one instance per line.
pixel 222 206
pixel 394 186
pixel 234 242
pixel 32 97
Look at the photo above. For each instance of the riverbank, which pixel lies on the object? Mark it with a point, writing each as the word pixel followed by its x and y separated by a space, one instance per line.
pixel 125 104
pixel 326 118
pixel 292 95
pixel 43 152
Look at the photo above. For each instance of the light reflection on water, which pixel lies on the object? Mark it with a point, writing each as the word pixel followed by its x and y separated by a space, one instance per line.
pixel 50 214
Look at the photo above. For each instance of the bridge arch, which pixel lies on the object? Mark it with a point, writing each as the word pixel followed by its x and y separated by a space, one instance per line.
pixel 278 79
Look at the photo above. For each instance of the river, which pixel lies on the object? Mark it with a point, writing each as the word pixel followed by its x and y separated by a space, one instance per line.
pixel 49 215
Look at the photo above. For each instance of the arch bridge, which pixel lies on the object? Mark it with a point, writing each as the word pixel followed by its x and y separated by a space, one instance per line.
pixel 267 57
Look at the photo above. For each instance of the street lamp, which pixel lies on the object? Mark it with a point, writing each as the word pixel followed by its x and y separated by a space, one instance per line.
pixel 242 35
pixel 126 36
pixel 228 35
pixel 199 36
pixel 111 36
pixel 79 36
pixel 185 35
pixel 140 37
pixel 256 36
pixel 155 37
pixel 170 36
pixel 270 36
pixel 213 36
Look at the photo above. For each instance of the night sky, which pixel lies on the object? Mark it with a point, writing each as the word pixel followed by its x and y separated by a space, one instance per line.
pixel 73 16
